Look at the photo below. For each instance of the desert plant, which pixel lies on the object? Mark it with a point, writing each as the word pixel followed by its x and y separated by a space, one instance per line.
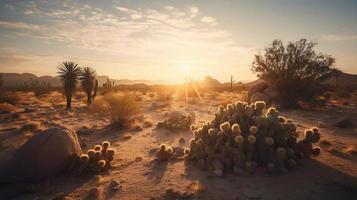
pixel 69 73
pixel 121 109
pixel 1 81
pixel 88 83
pixel 295 69
pixel 11 97
pixel 243 136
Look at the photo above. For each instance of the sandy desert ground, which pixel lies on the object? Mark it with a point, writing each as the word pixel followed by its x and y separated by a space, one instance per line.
pixel 136 175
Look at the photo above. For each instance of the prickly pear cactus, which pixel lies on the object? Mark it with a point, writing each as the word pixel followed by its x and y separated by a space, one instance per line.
pixel 242 137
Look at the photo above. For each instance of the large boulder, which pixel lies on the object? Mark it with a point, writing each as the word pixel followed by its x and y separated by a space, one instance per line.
pixel 273 92
pixel 43 155
pixel 257 87
pixel 258 96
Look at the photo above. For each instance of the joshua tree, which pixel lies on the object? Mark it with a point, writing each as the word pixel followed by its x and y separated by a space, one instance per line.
pixel 88 83
pixel 295 69
pixel 69 73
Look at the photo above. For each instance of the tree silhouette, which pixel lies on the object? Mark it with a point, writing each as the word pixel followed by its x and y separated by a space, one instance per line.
pixel 1 81
pixel 88 82
pixel 69 72
pixel 295 69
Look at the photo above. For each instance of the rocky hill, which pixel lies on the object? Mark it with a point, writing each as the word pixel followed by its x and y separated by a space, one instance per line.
pixel 28 79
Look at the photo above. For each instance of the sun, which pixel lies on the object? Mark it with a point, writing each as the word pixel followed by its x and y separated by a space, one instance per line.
pixel 185 68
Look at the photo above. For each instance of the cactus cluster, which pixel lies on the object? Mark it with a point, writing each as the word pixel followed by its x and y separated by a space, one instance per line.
pixel 166 152
pixel 243 136
pixel 96 160
pixel 176 121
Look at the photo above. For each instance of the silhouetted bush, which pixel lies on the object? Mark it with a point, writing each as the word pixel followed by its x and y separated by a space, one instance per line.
pixel 295 69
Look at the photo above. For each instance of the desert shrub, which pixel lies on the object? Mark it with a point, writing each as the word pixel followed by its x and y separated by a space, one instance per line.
pixel 6 108
pixel 296 70
pixel 10 97
pixel 98 106
pixel 164 95
pixel 121 109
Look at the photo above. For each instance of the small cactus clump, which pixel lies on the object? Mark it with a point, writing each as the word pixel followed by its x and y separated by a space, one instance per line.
pixel 243 136
pixel 177 121
pixel 96 159
pixel 164 153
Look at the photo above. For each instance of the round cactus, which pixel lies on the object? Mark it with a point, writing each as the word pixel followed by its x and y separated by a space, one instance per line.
pixel 84 158
pixel 97 147
pixel 105 144
pixel 253 130
pixel 239 139
pixel 251 139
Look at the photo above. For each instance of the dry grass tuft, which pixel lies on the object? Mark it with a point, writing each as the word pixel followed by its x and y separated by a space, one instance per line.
pixel 11 97
pixel 164 95
pixel 98 106
pixel 6 108
pixel 121 109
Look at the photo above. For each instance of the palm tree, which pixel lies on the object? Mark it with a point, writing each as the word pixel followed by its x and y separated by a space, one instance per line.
pixel 69 73
pixel 88 82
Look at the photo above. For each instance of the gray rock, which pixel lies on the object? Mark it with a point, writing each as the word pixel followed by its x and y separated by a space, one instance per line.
pixel 43 155
pixel 258 96
pixel 258 87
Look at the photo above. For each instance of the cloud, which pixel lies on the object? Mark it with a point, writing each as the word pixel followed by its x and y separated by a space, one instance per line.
pixel 340 37
pixel 152 37
pixel 208 20
pixel 170 8
pixel 18 26
pixel 136 16
pixel 194 11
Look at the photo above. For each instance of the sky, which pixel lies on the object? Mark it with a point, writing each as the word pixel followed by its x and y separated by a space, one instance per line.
pixel 169 40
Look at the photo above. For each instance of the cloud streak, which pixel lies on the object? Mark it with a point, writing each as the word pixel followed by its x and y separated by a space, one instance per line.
pixel 340 37
pixel 163 37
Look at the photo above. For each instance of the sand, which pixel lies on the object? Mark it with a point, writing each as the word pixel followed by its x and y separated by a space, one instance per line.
pixel 136 175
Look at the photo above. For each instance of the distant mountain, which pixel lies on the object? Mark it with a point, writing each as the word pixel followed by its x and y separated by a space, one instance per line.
pixel 209 82
pixel 343 80
pixel 28 79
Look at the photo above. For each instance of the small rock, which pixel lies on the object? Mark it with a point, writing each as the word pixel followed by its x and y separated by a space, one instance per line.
pixel 127 137
pixel 138 159
pixel 114 185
